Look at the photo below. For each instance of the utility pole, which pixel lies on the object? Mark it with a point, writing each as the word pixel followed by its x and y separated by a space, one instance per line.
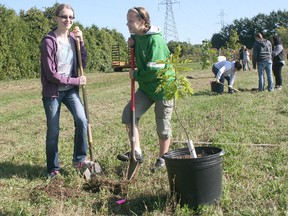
pixel 170 30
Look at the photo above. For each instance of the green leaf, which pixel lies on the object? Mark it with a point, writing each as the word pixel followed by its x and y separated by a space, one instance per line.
pixel 175 85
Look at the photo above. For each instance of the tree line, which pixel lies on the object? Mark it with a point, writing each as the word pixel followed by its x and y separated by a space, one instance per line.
pixel 21 36
pixel 245 29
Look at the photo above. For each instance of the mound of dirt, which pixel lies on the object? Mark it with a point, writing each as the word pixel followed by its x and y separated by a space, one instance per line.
pixel 98 183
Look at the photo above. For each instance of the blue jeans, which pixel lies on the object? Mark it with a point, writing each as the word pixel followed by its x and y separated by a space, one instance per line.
pixel 222 78
pixel 267 66
pixel 52 106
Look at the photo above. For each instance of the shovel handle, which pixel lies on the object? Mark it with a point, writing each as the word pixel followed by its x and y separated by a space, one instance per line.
pixel 132 62
pixel 81 72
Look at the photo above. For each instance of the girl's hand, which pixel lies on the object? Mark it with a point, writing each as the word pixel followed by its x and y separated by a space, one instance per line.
pixel 78 33
pixel 131 74
pixel 131 42
pixel 82 80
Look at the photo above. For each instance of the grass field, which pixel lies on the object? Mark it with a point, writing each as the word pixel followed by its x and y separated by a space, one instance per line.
pixel 242 124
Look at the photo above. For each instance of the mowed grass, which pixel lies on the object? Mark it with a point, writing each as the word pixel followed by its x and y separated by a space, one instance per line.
pixel 251 128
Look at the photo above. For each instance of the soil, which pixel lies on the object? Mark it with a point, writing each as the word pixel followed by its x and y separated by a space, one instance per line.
pixel 199 155
pixel 188 156
pixel 98 183
pixel 56 188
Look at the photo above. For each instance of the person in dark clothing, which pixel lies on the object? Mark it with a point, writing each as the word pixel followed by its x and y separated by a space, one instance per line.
pixel 241 55
pixel 262 56
pixel 278 56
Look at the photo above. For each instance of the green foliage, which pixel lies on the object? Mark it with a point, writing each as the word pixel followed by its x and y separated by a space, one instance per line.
pixel 21 36
pixel 13 46
pixel 173 84
pixel 246 28
pixel 209 55
pixel 188 51
pixel 233 42
pixel 283 33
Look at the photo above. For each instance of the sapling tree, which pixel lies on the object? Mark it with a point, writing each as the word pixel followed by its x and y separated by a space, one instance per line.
pixel 175 86
pixel 209 55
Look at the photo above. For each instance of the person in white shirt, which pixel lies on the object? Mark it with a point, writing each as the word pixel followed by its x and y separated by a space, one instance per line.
pixel 226 70
pixel 246 60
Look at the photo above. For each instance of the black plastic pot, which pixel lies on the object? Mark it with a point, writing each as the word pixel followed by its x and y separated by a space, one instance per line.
pixel 195 181
pixel 216 87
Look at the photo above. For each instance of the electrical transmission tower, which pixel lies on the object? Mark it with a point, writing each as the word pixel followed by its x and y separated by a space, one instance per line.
pixel 170 30
pixel 222 14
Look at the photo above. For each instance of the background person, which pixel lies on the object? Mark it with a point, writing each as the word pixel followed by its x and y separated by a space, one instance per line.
pixel 262 56
pixel 279 56
pixel 226 70
pixel 241 55
pixel 150 47
pixel 246 60
pixel 60 84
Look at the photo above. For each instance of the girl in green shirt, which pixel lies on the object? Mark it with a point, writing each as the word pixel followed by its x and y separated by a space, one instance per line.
pixel 150 48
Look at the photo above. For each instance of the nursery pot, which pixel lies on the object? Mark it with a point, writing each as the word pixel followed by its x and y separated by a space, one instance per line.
pixel 195 181
pixel 216 87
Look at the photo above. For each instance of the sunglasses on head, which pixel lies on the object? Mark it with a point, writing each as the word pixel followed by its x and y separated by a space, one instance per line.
pixel 66 17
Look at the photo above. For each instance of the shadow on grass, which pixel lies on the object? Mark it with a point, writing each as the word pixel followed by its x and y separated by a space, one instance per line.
pixel 201 93
pixel 240 90
pixel 8 170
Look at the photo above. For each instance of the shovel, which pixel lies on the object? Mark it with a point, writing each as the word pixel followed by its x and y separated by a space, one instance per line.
pixel 228 86
pixel 95 168
pixel 133 163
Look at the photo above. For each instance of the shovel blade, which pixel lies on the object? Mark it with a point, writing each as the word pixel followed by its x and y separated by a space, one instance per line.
pixel 132 169
pixel 96 168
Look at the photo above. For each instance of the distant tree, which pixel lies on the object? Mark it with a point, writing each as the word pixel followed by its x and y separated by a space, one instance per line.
pixel 246 28
pixel 283 33
pixel 209 55
pixel 188 50
pixel 217 41
pixel 105 42
pixel 233 42
pixel 36 26
pixel 13 45
pixel 172 46
pixel 90 38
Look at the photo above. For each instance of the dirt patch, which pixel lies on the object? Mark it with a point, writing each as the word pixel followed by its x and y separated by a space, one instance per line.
pixel 100 183
pixel 57 189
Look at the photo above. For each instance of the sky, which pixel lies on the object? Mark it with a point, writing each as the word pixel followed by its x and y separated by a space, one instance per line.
pixel 195 20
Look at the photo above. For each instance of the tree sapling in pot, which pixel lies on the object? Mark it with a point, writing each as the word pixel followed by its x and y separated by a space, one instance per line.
pixel 195 174
pixel 177 87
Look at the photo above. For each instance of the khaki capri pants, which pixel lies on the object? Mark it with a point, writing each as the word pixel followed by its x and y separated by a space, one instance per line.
pixel 163 113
